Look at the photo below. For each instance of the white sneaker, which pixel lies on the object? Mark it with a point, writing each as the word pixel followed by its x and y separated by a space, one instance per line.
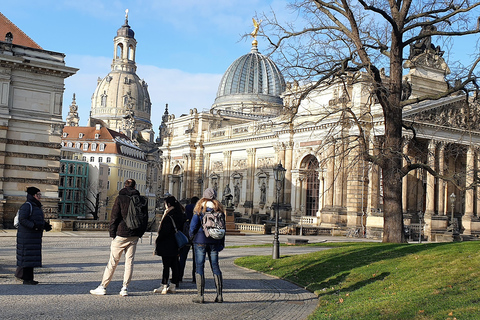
pixel 172 288
pixel 100 291
pixel 124 292
pixel 162 290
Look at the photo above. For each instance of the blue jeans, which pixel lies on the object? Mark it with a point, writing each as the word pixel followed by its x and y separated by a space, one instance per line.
pixel 200 251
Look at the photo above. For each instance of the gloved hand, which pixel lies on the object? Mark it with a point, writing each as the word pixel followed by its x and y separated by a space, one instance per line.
pixel 47 226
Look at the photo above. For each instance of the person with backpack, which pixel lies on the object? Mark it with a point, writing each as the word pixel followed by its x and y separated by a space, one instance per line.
pixel 31 224
pixel 207 229
pixel 186 230
pixel 166 244
pixel 125 239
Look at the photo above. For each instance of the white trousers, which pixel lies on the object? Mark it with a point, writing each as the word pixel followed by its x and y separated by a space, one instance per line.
pixel 119 245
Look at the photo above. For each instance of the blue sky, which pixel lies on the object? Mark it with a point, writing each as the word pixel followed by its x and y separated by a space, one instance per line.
pixel 183 47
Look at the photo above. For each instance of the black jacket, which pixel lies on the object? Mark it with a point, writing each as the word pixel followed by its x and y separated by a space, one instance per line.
pixel 166 245
pixel 119 212
pixel 29 234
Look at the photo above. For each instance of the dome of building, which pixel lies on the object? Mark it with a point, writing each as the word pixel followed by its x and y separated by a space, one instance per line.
pixel 125 31
pixel 252 84
pixel 121 99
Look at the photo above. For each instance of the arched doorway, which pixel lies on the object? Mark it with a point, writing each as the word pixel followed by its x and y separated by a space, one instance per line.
pixel 176 182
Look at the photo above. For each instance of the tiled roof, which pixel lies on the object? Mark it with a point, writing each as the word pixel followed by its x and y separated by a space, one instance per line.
pixel 113 140
pixel 19 37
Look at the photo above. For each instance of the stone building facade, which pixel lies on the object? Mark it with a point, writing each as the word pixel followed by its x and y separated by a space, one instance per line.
pixel 31 90
pixel 234 147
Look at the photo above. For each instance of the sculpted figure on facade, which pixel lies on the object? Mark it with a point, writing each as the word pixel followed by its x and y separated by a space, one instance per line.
pixel 237 193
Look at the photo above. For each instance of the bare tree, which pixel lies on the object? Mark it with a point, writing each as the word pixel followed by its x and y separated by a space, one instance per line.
pixel 367 40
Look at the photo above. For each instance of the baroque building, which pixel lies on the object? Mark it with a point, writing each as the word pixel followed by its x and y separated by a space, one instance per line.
pixel 121 105
pixel 250 129
pixel 110 153
pixel 31 93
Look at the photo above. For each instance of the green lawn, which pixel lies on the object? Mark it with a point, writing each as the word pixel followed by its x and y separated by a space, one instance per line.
pixel 385 281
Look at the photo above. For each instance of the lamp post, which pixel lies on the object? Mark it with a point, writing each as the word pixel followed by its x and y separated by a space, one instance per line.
pixel 452 203
pixel 279 175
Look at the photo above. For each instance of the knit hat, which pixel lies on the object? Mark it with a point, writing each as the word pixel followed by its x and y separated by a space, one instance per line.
pixel 33 190
pixel 210 194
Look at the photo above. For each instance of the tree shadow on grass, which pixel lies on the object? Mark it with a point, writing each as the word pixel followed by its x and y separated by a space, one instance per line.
pixel 345 259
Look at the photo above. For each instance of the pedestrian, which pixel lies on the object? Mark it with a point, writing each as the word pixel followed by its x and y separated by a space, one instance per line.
pixel 124 238
pixel 31 224
pixel 166 245
pixel 204 245
pixel 184 251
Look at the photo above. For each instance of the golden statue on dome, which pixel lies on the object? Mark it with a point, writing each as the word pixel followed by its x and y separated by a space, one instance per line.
pixel 254 33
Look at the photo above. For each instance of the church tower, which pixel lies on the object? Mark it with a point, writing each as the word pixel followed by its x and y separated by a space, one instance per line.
pixel 121 99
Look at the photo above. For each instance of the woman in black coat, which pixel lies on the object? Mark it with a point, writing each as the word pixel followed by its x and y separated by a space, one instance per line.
pixel 166 245
pixel 29 236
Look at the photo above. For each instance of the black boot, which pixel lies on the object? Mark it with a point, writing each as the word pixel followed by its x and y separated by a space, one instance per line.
pixel 200 279
pixel 219 286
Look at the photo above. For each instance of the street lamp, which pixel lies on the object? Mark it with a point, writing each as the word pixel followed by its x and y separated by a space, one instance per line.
pixel 279 175
pixel 452 203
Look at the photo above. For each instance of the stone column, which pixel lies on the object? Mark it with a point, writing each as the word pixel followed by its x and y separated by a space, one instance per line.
pixel 339 177
pixel 441 183
pixel 330 176
pixel 288 173
pixel 166 174
pixel 469 193
pixel 374 183
pixel 250 181
pixel 184 184
pixel 430 190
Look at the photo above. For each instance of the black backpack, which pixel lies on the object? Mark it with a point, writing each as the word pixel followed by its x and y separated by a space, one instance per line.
pixel 135 217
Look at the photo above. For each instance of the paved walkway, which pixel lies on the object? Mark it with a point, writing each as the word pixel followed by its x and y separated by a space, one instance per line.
pixel 73 263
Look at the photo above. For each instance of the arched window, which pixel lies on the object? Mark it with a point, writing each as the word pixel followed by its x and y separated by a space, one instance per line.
pixel 119 51
pixel 131 53
pixel 313 186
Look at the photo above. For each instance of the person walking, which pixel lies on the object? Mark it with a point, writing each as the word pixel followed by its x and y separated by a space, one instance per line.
pixel 124 238
pixel 166 245
pixel 204 245
pixel 184 251
pixel 31 224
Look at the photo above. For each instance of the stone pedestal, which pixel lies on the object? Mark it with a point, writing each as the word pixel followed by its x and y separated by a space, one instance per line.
pixel 230 221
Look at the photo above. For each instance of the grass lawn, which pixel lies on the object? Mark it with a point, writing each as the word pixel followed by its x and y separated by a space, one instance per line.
pixel 385 281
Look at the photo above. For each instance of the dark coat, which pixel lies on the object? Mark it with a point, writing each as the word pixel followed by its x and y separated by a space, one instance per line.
pixel 29 234
pixel 119 213
pixel 166 245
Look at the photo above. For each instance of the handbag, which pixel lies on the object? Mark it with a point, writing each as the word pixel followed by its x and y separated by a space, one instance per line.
pixel 181 239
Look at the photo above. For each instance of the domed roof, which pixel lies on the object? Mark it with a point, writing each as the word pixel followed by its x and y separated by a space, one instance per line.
pixel 116 94
pixel 125 31
pixel 252 84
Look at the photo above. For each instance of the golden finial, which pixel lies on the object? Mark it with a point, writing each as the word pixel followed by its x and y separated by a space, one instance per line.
pixel 255 31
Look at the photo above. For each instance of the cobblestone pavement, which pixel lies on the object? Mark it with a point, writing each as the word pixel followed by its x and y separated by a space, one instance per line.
pixel 73 263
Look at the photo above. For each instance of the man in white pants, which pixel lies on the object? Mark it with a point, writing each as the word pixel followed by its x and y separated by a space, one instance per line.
pixel 124 239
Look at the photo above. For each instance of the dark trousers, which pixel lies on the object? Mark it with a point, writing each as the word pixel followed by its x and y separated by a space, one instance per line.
pixel 170 262
pixel 24 273
pixel 183 260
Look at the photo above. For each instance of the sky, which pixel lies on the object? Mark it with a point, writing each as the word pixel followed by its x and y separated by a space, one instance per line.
pixel 183 47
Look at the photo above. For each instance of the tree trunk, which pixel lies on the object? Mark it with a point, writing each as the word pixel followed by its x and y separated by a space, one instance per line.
pixel 392 164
